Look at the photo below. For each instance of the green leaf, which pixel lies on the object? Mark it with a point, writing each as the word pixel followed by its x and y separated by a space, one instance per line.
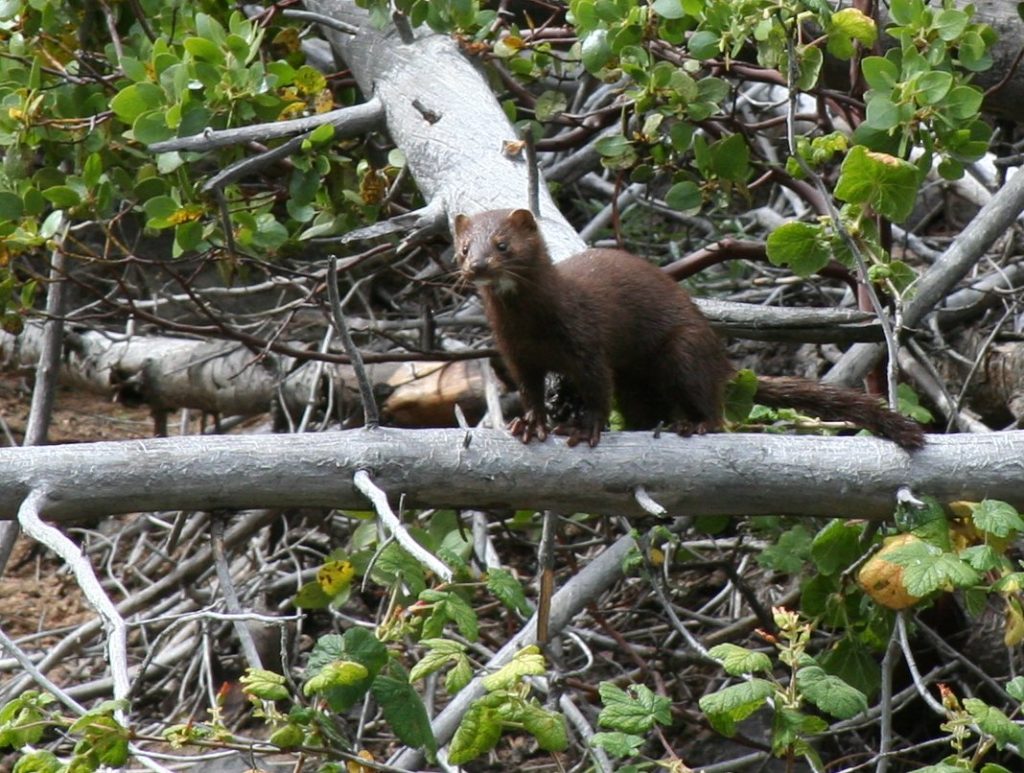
pixel 53 223
pixel 595 50
pixel 507 590
pixel 288 736
pixel 188 236
pixel 527 662
pixel 669 9
pixel 441 652
pixel 810 60
pixel 855 664
pixel 11 206
pixel 882 113
pixel 801 246
pixel 459 676
pixel 21 719
pixel 933 86
pixel 684 196
pixel 477 734
pixel 789 553
pixel 730 158
pixel 449 606
pixel 104 737
pixel 311 596
pixel 205 50
pixel 404 710
pixel 983 558
pixel 734 704
pixel 926 568
pixel 739 395
pixel 1015 687
pixel 612 146
pixel 136 99
pixel 340 673
pixel 951 23
pixel 39 761
pixel 855 24
pixel 704 44
pixel 994 722
pixel 738 660
pixel 357 645
pixel 618 744
pixel 549 105
pixel 998 518
pixel 62 196
pixel 790 729
pixel 634 710
pixel 547 727
pixel 322 135
pixel 885 183
pixel 963 102
pixel 836 546
pixel 394 565
pixel 830 693
pixel 264 684
pixel 880 73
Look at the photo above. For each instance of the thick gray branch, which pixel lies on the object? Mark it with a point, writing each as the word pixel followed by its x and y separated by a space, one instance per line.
pixel 351 121
pixel 718 474
pixel 443 115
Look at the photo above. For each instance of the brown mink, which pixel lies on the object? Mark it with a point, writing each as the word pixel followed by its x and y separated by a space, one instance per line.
pixel 613 324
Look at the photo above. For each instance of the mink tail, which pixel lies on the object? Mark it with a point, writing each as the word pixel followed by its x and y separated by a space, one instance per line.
pixel 839 404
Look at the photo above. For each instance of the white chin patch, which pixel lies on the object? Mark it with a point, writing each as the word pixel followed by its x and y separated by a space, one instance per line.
pixel 505 285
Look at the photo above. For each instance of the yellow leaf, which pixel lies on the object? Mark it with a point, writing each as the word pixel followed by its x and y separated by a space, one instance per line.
pixel 334 576
pixel 883 580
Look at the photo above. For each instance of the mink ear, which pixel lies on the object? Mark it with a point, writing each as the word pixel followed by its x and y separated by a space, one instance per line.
pixel 522 219
pixel 461 224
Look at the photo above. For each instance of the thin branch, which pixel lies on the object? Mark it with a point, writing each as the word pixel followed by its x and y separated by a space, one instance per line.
pixel 348 122
pixel 38 676
pixel 546 570
pixel 319 18
pixel 379 498
pixel 117 636
pixel 885 702
pixel 371 416
pixel 227 586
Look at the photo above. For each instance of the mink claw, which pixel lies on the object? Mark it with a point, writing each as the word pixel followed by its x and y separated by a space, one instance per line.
pixel 527 428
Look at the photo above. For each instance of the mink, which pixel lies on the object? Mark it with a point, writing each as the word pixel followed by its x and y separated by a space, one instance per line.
pixel 614 325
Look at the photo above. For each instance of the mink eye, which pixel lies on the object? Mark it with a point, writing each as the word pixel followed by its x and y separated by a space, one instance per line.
pixel 501 246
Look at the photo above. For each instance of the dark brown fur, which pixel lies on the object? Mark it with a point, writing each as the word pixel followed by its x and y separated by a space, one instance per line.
pixel 609 321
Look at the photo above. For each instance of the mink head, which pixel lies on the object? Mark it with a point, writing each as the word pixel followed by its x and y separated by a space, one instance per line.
pixel 501 249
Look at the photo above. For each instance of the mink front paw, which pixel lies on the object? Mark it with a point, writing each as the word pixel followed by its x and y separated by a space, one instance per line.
pixel 528 427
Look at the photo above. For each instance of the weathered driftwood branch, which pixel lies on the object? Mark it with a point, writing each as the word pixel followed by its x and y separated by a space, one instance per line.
pixel 732 474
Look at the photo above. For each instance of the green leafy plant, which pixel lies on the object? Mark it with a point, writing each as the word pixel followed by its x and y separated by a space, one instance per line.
pixel 630 716
pixel 102 740
pixel 972 718
pixel 806 681
pixel 508 705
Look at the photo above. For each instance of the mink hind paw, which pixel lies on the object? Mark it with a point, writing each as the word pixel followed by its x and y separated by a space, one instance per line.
pixel 578 434
pixel 688 428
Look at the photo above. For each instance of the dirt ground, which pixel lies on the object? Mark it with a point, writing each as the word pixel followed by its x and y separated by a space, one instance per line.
pixel 36 592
